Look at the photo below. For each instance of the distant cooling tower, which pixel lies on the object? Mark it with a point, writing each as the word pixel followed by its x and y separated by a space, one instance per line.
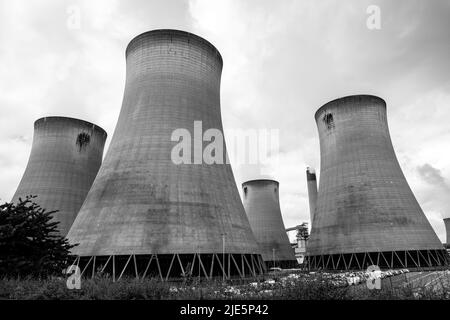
pixel 65 157
pixel 366 213
pixel 262 205
pixel 145 214
pixel 312 191
pixel 447 229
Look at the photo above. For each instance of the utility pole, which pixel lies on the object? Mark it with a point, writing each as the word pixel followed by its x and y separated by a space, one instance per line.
pixel 273 257
pixel 223 255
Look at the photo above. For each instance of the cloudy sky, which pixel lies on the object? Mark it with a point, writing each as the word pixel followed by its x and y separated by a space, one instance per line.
pixel 282 61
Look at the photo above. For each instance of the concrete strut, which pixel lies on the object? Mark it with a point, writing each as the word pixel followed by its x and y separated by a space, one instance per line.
pixel 365 205
pixel 65 157
pixel 142 203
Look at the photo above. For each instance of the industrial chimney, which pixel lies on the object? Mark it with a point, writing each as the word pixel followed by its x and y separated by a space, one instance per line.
pixel 145 213
pixel 312 191
pixel 262 205
pixel 366 213
pixel 447 230
pixel 65 157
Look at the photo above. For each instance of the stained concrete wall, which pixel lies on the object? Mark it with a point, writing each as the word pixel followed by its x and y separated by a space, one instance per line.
pixel 364 202
pixel 262 205
pixel 141 202
pixel 65 157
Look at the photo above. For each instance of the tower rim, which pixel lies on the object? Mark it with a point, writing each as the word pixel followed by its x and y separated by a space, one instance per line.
pixel 174 32
pixel 345 99
pixel 74 120
pixel 260 180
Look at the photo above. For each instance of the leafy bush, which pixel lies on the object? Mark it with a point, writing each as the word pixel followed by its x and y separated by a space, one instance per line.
pixel 30 244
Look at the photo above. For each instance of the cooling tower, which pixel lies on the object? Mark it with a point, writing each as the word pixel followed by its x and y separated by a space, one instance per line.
pixel 145 213
pixel 447 230
pixel 262 205
pixel 312 191
pixel 65 157
pixel 366 213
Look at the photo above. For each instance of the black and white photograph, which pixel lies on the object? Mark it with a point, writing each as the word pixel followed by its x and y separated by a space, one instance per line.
pixel 230 156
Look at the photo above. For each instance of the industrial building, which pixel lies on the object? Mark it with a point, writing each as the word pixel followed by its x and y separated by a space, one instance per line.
pixel 66 155
pixel 301 240
pixel 262 205
pixel 145 214
pixel 366 214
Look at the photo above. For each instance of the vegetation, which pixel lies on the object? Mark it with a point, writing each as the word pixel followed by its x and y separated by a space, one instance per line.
pixel 30 245
pixel 315 287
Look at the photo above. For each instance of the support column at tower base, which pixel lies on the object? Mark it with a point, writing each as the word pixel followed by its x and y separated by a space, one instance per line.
pixel 384 260
pixel 172 266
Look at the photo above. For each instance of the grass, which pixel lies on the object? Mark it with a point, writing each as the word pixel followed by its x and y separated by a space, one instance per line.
pixel 296 287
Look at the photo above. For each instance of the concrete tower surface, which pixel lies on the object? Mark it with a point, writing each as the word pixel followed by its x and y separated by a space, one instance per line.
pixel 366 213
pixel 262 205
pixel 144 209
pixel 447 230
pixel 312 191
pixel 65 157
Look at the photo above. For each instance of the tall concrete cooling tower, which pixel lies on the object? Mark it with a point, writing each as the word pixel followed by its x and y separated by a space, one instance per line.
pixel 312 191
pixel 145 213
pixel 366 213
pixel 262 205
pixel 447 230
pixel 65 157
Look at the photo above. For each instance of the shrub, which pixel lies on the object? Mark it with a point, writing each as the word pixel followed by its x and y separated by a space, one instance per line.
pixel 30 244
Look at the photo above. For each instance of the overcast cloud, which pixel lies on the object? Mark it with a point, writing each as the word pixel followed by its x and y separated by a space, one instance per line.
pixel 282 61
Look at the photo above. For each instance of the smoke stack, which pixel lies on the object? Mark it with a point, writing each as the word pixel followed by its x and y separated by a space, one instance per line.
pixel 262 205
pixel 366 213
pixel 312 191
pixel 447 230
pixel 65 157
pixel 146 213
